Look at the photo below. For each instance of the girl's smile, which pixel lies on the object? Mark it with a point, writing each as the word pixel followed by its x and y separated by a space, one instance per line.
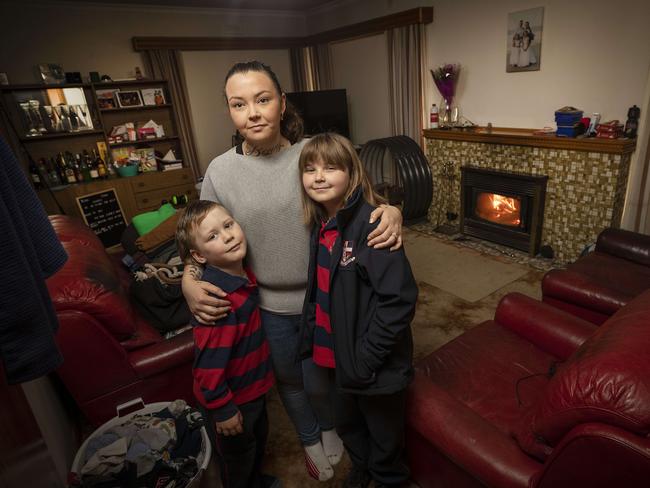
pixel 326 184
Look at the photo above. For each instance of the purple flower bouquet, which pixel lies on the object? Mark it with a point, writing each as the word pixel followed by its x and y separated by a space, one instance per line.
pixel 445 78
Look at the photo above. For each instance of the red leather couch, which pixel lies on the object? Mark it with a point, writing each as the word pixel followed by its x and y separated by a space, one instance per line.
pixel 111 355
pixel 598 284
pixel 535 398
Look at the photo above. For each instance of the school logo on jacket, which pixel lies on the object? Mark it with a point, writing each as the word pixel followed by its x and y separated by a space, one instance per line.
pixel 348 249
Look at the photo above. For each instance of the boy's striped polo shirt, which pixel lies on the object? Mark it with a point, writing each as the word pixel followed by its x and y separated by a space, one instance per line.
pixel 231 359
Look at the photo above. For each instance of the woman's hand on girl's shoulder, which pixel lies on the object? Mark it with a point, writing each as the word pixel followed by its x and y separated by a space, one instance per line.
pixel 389 230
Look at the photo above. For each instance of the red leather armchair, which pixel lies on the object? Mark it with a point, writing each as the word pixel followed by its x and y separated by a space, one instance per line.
pixel 598 284
pixel 111 355
pixel 535 398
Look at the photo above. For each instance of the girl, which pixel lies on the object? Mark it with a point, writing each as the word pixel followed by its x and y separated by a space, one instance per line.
pixel 357 312
pixel 259 182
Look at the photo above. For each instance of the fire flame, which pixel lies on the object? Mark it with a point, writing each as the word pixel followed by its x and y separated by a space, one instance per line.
pixel 499 208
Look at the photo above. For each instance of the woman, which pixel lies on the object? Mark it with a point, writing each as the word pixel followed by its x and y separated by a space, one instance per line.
pixel 527 56
pixel 517 40
pixel 259 182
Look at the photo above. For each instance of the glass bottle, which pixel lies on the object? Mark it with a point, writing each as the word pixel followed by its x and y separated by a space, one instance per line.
pixel 92 167
pixel 99 163
pixel 55 178
pixel 70 176
pixel 35 176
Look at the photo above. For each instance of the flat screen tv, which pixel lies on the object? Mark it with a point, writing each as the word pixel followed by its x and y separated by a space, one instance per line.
pixel 322 111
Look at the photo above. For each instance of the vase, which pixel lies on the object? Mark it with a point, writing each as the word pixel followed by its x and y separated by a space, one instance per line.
pixel 450 116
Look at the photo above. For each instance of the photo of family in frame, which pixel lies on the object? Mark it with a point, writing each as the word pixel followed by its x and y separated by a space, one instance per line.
pixel 524 40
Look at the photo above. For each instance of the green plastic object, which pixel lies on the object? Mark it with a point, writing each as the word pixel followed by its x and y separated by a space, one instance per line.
pixel 148 221
pixel 129 170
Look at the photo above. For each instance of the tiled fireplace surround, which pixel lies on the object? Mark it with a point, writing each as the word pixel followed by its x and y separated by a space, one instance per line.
pixel 586 185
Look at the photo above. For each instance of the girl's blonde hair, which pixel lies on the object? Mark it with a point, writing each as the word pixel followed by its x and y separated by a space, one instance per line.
pixel 336 150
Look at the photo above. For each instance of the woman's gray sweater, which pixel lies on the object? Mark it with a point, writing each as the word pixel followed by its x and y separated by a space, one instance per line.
pixel 263 194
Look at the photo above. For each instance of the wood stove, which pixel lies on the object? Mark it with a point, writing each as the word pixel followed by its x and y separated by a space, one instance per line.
pixel 503 207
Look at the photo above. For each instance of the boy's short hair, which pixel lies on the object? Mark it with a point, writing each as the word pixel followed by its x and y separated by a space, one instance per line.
pixel 192 216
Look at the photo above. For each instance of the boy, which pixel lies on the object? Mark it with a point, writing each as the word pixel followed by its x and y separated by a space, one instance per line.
pixel 232 369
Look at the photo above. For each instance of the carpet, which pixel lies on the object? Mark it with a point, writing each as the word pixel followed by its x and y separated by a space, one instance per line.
pixel 443 312
pixel 463 272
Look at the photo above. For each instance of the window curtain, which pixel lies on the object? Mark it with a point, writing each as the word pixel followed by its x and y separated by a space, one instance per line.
pixel 311 68
pixel 166 64
pixel 636 214
pixel 405 62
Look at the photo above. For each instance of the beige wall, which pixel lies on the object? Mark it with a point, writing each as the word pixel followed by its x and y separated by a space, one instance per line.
pixel 205 72
pixel 595 56
pixel 361 67
pixel 98 37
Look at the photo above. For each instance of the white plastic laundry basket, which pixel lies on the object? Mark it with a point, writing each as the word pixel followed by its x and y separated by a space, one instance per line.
pixel 202 460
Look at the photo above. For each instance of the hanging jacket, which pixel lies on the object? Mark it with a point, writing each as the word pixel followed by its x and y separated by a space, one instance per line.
pixel 31 252
pixel 372 302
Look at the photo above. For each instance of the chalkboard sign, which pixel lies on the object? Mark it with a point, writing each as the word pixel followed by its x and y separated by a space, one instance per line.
pixel 102 213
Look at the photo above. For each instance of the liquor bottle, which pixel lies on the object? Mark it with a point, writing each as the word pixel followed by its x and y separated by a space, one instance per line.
pixel 35 176
pixel 61 167
pixel 94 173
pixel 70 176
pixel 76 166
pixel 55 179
pixel 42 172
pixel 99 163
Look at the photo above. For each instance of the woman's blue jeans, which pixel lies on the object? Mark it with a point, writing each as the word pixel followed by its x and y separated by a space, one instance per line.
pixel 304 387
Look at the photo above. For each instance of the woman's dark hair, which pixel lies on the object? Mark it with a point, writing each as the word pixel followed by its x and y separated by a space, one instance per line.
pixel 291 126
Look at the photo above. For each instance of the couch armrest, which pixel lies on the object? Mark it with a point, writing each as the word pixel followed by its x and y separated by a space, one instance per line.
pixel 466 438
pixel 572 461
pixel 574 287
pixel 94 363
pixel 164 355
pixel 625 244
pixel 552 330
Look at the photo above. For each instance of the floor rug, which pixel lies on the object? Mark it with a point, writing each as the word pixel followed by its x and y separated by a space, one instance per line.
pixel 465 273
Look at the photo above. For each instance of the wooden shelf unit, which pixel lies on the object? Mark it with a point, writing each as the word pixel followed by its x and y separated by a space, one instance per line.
pixel 136 194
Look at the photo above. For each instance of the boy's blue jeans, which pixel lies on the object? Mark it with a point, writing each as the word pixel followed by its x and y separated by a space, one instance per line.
pixel 304 389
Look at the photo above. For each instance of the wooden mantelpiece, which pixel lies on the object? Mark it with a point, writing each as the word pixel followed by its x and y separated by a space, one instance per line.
pixel 525 137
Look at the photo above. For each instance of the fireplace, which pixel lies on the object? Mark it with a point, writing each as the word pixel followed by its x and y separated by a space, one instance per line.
pixel 503 207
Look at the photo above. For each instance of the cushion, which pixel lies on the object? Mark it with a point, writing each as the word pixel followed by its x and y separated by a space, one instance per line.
pixel 90 283
pixel 607 380
pixel 148 221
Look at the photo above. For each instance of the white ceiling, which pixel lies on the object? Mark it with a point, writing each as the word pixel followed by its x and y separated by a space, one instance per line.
pixel 293 5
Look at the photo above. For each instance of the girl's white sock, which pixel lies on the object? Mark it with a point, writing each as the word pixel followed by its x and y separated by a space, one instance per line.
pixel 317 464
pixel 333 446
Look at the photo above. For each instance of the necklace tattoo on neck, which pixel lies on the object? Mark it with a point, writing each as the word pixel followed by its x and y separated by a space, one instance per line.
pixel 251 150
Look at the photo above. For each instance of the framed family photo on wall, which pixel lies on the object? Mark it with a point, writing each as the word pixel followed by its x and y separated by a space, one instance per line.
pixel 524 40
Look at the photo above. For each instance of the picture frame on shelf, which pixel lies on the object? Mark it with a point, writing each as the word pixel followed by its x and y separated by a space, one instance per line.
pixel 51 74
pixel 106 99
pixel 153 96
pixel 73 77
pixel 130 98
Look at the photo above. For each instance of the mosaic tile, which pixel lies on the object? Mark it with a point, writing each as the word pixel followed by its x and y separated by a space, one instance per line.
pixel 585 192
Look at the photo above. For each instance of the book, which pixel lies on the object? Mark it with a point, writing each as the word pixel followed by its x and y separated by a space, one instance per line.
pixel 171 166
